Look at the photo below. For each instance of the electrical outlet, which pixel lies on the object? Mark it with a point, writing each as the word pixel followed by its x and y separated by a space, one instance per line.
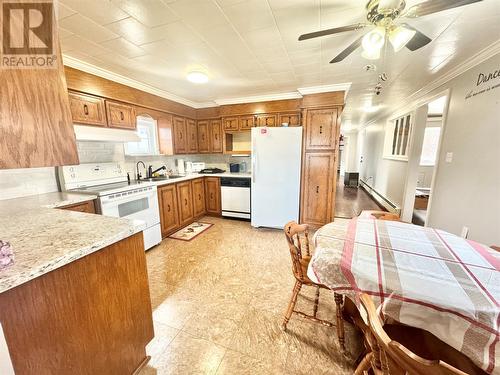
pixel 449 157
pixel 465 232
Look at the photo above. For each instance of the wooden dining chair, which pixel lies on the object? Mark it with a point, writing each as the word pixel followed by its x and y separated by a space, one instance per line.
pixel 494 247
pixel 297 237
pixel 389 356
pixel 380 215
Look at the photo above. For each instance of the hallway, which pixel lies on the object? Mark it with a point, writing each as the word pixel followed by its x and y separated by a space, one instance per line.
pixel 350 201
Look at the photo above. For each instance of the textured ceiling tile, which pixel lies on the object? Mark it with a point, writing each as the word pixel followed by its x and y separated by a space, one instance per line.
pixel 136 32
pixel 150 13
pixel 99 11
pixel 86 28
pixel 250 15
pixel 123 47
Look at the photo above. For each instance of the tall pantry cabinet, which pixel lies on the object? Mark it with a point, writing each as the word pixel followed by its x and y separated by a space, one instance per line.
pixel 319 164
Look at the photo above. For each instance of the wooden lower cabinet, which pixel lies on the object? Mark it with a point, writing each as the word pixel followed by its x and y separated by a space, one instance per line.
pixel 88 207
pixel 185 203
pixel 212 193
pixel 318 184
pixel 169 213
pixel 199 207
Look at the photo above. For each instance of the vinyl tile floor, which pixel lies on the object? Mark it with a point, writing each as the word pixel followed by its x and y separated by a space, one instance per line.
pixel 218 302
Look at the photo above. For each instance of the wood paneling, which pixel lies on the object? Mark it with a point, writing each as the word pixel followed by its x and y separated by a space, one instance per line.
pixel 321 129
pixel 203 136
pixel 91 84
pixel 91 316
pixel 318 179
pixel 230 123
pixel 288 105
pixel 192 136
pixel 212 193
pixel 266 120
pixel 180 135
pixel 185 203
pixel 330 99
pixel 291 118
pixel 165 134
pixel 36 128
pixel 87 109
pixel 208 113
pixel 198 187
pixel 120 115
pixel 246 122
pixel 88 207
pixel 216 136
pixel 169 213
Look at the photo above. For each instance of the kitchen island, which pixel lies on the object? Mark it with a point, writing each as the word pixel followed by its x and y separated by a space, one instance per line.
pixel 76 299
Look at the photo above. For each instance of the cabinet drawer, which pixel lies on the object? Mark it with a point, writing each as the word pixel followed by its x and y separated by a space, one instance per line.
pixel 245 122
pixel 230 123
pixel 87 109
pixel 292 119
pixel 120 115
pixel 267 120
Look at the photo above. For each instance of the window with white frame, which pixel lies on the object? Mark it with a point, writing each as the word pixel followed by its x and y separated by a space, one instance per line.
pixel 398 138
pixel 148 144
pixel 430 146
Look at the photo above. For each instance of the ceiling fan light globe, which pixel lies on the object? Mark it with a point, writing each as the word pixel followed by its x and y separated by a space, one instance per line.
pixel 374 40
pixel 373 54
pixel 400 36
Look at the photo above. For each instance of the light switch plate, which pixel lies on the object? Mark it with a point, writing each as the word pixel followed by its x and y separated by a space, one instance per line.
pixel 449 157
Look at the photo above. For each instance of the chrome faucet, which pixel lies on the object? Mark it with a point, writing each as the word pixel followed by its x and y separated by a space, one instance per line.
pixel 138 175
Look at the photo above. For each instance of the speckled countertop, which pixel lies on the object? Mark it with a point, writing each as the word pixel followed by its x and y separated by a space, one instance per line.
pixel 44 238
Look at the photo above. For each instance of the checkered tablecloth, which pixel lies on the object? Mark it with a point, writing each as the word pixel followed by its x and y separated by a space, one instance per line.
pixel 422 277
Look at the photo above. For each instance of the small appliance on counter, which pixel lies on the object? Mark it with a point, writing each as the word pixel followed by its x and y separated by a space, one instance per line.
pixel 181 167
pixel 211 171
pixel 198 166
pixel 189 167
pixel 234 167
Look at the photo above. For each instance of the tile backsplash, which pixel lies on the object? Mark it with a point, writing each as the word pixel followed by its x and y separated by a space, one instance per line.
pixel 15 183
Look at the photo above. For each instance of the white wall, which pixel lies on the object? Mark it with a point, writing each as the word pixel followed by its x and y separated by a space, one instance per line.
pixel 350 152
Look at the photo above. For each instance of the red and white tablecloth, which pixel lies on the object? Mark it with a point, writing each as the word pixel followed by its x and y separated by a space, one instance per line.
pixel 422 277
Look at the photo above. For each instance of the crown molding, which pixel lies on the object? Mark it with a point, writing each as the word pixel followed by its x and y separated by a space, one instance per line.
pixel 325 88
pixel 103 73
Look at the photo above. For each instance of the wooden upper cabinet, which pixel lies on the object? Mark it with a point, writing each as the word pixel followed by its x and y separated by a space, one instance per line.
pixel 165 136
pixel 87 109
pixel 203 136
pixel 318 178
pixel 192 136
pixel 292 119
pixel 180 135
pixel 120 115
pixel 198 187
pixel 185 202
pixel 321 129
pixel 267 120
pixel 169 215
pixel 230 123
pixel 212 194
pixel 245 122
pixel 216 136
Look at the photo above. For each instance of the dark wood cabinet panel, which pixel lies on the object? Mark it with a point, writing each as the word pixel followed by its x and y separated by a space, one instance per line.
pixel 203 136
pixel 165 136
pixel 292 119
pixel 245 122
pixel 321 129
pixel 185 203
pixel 169 215
pixel 180 135
pixel 215 136
pixel 88 207
pixel 192 136
pixel 212 193
pixel 318 179
pixel 230 123
pixel 87 109
pixel 120 115
pixel 198 187
pixel 267 120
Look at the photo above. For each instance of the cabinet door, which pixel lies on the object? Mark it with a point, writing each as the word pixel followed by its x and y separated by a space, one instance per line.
pixel 245 122
pixel 318 180
pixel 321 129
pixel 180 136
pixel 87 109
pixel 212 192
pixel 88 207
pixel 230 123
pixel 120 115
pixel 192 134
pixel 198 187
pixel 267 120
pixel 169 216
pixel 215 136
pixel 185 202
pixel 292 119
pixel 203 136
pixel 165 137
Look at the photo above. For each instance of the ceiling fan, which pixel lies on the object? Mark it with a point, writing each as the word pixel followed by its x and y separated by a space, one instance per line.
pixel 384 15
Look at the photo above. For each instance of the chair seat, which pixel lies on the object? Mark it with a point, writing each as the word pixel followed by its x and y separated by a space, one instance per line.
pixel 304 264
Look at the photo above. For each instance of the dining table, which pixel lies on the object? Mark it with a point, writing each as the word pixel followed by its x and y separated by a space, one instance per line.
pixel 417 276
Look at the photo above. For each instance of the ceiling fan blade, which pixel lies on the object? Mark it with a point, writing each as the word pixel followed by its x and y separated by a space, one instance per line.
pixel 335 30
pixel 342 55
pixel 434 6
pixel 419 40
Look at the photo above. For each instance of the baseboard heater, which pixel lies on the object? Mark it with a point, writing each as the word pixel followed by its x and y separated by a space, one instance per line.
pixel 386 203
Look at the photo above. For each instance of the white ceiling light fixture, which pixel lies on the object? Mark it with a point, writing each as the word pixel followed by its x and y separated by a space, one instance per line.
pixel 400 36
pixel 197 77
pixel 371 54
pixel 374 40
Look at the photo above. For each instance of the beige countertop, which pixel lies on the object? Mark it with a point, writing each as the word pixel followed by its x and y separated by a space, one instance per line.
pixel 44 238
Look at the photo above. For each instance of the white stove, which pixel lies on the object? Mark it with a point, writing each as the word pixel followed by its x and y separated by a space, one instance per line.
pixel 116 196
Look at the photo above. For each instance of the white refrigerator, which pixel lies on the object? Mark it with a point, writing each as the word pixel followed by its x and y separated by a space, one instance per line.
pixel 276 165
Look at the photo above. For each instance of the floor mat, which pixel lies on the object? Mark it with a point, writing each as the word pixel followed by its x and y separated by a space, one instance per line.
pixel 191 231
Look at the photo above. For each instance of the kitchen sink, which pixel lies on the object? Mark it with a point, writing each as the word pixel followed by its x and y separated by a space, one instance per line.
pixel 161 178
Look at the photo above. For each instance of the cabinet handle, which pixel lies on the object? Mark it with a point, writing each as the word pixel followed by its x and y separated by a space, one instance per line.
pixel 185 202
pixel 321 130
pixel 211 195
pixel 317 189
pixel 203 137
pixel 121 115
pixel 86 109
pixel 168 207
pixel 215 136
pixel 180 135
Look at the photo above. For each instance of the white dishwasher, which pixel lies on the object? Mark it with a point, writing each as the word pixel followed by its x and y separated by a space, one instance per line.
pixel 235 197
